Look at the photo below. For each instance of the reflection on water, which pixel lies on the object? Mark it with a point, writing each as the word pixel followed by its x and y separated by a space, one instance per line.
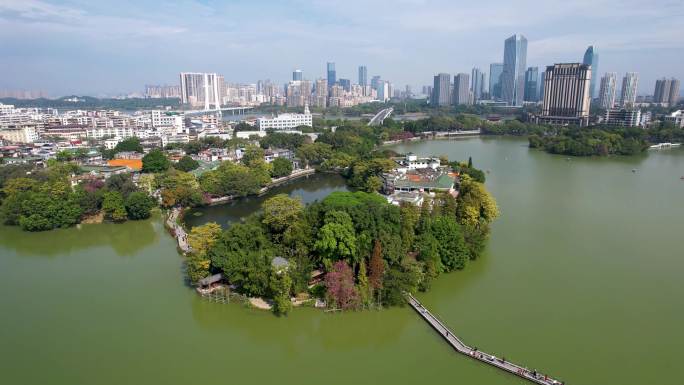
pixel 126 239
pixel 309 189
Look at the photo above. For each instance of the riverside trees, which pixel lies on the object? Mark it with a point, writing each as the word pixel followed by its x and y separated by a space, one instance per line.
pixel 45 199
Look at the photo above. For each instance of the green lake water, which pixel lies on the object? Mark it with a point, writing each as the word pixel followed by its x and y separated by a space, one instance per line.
pixel 582 278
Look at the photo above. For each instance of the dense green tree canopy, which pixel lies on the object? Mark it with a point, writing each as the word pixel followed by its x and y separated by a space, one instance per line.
pixel 155 161
pixel 281 167
pixel 186 164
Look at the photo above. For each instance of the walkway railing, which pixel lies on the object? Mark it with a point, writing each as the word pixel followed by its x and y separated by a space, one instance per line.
pixel 461 347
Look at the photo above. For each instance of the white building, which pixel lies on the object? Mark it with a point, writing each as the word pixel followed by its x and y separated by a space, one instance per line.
pixel 24 133
pixel 180 138
pixel 162 119
pixel 413 162
pixel 284 122
pixel 201 89
pixel 6 109
pixel 110 132
pixel 677 118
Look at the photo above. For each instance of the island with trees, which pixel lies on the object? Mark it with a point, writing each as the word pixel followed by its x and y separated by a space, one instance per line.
pixel 370 251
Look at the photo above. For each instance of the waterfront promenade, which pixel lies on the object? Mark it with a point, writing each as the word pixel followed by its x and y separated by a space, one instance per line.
pixel 178 230
pixel 461 347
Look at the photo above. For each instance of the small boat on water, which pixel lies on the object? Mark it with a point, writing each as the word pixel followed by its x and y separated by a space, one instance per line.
pixel 634 170
pixel 664 145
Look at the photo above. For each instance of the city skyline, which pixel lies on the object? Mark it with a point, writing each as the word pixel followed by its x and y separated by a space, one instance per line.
pixel 100 49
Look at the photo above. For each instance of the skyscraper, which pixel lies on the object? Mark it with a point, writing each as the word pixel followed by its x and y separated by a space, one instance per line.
pixel 297 75
pixel 200 89
pixel 363 76
pixel 383 90
pixel 332 75
pixel 674 92
pixel 440 90
pixel 461 89
pixel 495 71
pixel 374 81
pixel 566 94
pixel 607 90
pixel 666 91
pixel 591 57
pixel 532 84
pixel 513 76
pixel 346 84
pixel 477 85
pixel 628 93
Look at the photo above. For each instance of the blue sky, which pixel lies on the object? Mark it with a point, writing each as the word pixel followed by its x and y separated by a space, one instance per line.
pixel 109 47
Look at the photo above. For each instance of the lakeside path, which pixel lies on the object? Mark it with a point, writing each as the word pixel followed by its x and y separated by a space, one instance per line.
pixel 178 230
pixel 274 182
pixel 435 135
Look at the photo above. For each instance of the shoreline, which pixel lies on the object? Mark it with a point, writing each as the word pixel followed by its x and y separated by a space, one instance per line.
pixel 274 183
pixel 179 231
pixel 436 136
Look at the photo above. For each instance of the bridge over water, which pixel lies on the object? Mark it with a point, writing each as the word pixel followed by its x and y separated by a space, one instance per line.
pixel 381 116
pixel 461 347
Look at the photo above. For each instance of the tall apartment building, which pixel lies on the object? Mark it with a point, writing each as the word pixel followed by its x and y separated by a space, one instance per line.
pixel 566 94
pixel 532 84
pixel 441 90
pixel 165 91
pixel 383 90
pixel 320 96
pixel 495 71
pixel 461 89
pixel 666 91
pixel 477 84
pixel 363 76
pixel 297 75
pixel 607 90
pixel 628 93
pixel 513 75
pixel 200 89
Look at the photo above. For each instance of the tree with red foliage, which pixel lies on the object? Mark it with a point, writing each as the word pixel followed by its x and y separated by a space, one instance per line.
pixel 340 284
pixel 377 266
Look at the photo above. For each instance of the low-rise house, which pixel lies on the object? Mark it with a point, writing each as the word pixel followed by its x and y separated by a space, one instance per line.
pixel 128 155
pixel 415 198
pixel 271 154
pixel 413 162
pixel 131 164
pixel 104 171
pixel 216 155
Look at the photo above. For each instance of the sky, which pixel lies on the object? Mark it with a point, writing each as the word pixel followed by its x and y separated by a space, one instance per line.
pixel 104 47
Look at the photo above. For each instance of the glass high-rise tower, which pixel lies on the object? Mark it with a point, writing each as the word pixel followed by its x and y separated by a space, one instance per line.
pixel 591 58
pixel 513 76
pixel 332 75
pixel 532 84
pixel 495 71
pixel 363 76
